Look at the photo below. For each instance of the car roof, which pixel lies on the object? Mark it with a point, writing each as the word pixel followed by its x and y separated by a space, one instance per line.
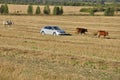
pixel 51 26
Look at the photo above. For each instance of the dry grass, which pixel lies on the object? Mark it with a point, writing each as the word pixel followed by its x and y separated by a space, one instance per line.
pixel 27 55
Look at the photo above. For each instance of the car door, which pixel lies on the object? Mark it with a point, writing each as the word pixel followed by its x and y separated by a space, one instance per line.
pixel 46 30
pixel 50 30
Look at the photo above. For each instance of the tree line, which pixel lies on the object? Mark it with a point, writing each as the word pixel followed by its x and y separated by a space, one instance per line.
pixel 58 10
pixel 108 11
pixel 60 2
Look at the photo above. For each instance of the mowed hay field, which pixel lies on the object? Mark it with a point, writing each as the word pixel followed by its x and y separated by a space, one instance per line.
pixel 25 54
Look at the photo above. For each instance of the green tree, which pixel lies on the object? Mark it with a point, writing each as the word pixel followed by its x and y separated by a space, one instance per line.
pixel 6 10
pixel 30 10
pixel 46 10
pixel 2 9
pixel 85 9
pixel 109 12
pixel 56 10
pixel 92 12
pixel 37 10
pixel 61 11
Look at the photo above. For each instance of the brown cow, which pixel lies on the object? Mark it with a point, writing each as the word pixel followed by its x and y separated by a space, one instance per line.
pixel 102 33
pixel 81 30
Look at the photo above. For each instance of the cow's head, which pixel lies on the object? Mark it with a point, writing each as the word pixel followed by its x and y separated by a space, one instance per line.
pixel 107 33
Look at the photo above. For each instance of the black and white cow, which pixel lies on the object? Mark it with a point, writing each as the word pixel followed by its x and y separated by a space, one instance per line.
pixel 7 23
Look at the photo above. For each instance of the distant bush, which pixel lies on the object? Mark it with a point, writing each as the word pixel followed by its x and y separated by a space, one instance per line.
pixel 95 9
pixel 109 11
pixel 37 10
pixel 85 9
pixel 4 9
pixel 30 10
pixel 57 10
pixel 61 11
pixel 46 10
pixel 92 11
pixel 100 9
pixel 89 10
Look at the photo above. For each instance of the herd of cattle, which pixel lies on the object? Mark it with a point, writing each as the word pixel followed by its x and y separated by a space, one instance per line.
pixel 99 33
pixel 81 31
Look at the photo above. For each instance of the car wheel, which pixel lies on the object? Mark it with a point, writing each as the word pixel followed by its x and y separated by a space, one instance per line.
pixel 43 33
pixel 54 34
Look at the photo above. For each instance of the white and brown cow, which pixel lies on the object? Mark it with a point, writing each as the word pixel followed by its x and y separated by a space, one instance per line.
pixel 8 23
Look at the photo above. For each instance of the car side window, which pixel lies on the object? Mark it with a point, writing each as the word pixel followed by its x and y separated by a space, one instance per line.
pixel 50 28
pixel 46 27
pixel 56 28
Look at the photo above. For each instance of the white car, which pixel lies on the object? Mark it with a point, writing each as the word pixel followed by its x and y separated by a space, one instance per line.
pixel 52 30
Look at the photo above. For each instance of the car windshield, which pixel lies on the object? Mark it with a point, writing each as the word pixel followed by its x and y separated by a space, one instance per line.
pixel 56 28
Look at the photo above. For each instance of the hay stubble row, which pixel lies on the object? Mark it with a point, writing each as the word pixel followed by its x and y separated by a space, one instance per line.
pixel 30 55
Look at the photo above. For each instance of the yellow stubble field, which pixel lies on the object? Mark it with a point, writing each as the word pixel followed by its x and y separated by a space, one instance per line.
pixel 25 54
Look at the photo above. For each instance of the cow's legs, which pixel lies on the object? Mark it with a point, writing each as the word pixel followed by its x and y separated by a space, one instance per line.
pixel 98 35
